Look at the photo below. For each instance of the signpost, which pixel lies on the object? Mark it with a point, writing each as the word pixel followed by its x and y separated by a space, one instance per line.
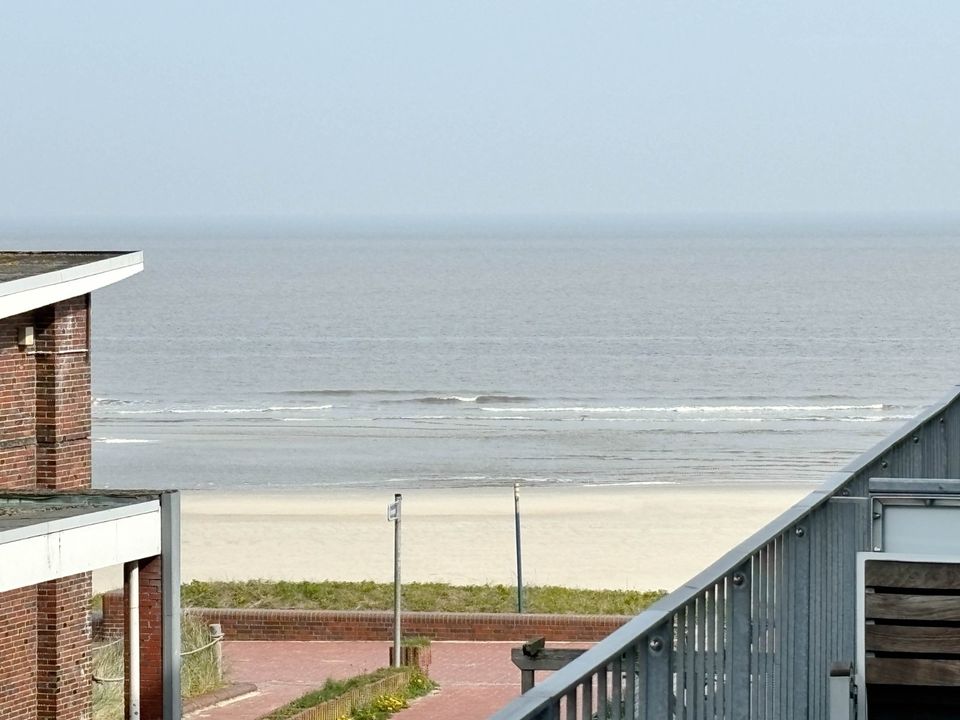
pixel 393 515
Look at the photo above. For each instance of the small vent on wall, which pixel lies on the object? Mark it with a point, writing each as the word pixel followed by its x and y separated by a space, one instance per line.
pixel 25 336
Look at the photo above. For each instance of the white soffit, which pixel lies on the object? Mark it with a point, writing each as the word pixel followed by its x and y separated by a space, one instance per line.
pixel 58 548
pixel 30 293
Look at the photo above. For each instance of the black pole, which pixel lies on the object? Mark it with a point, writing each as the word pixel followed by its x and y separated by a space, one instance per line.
pixel 516 518
pixel 396 583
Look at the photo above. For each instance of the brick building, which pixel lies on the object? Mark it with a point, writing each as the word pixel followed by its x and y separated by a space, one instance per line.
pixel 45 446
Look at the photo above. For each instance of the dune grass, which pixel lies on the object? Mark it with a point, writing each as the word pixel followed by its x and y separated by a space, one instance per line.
pixel 198 672
pixel 427 597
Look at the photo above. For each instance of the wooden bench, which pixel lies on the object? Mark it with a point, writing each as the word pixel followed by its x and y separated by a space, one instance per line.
pixel 534 655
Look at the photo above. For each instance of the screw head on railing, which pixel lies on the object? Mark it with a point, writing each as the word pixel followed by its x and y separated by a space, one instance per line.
pixel 739 579
pixel 656 644
pixel 883 463
pixel 916 439
pixel 799 531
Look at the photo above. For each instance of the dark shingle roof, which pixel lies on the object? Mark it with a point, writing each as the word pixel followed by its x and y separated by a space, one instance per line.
pixel 19 265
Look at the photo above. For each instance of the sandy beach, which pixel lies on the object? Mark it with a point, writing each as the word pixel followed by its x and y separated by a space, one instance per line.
pixel 596 537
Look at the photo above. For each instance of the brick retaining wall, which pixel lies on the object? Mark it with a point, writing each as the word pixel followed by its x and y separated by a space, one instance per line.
pixel 378 625
pixel 371 625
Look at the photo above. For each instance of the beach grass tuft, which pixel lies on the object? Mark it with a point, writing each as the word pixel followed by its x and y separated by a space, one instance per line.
pixel 424 597
pixel 198 672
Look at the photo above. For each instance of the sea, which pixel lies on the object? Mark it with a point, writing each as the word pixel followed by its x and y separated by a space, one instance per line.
pixel 399 361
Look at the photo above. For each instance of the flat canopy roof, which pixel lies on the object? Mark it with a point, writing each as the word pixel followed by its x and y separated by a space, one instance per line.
pixel 29 280
pixel 46 535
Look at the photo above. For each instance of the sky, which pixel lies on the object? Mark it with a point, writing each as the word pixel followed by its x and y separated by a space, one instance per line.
pixel 119 112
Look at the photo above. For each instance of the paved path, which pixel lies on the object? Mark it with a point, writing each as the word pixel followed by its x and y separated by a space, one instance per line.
pixel 475 678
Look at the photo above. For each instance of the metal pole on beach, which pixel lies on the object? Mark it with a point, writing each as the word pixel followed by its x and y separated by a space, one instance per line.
pixel 393 513
pixel 516 521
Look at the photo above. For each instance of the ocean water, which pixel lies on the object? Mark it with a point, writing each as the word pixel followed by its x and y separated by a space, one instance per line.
pixel 477 361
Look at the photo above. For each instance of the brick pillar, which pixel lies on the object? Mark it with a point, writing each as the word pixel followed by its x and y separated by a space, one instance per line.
pixel 63 395
pixel 63 648
pixel 63 463
pixel 151 640
pixel 18 653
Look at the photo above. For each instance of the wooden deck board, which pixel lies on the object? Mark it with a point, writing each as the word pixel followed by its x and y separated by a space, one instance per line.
pixel 913 671
pixel 895 574
pixel 933 608
pixel 912 639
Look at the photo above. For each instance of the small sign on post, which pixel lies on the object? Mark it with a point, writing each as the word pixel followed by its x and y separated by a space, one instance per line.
pixel 393 515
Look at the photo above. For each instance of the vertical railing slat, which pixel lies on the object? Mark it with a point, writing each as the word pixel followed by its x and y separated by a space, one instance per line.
pixel 690 656
pixel 570 702
pixel 656 702
pixel 761 635
pixel 586 698
pixel 603 696
pixel 754 635
pixel 679 667
pixel 630 684
pixel 721 659
pixel 785 633
pixel 710 653
pixel 739 643
pixel 728 645
pixel 769 585
pixel 800 618
pixel 700 673
pixel 616 687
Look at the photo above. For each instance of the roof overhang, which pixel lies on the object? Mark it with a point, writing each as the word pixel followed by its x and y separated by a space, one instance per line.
pixel 49 536
pixel 83 273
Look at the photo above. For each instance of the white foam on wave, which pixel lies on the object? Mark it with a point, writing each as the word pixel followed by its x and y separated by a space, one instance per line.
pixel 630 483
pixel 299 407
pixel 690 409
pixel 223 410
pixel 123 441
pixel 878 418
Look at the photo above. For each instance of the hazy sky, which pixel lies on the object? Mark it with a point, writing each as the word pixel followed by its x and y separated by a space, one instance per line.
pixel 121 111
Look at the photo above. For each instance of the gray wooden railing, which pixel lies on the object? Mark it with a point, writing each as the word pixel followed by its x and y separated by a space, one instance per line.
pixel 754 635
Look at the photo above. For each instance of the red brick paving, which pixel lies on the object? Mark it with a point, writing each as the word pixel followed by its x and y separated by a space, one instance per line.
pixel 476 678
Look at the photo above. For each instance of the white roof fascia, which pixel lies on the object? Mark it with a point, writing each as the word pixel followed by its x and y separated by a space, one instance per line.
pixel 67 546
pixel 36 291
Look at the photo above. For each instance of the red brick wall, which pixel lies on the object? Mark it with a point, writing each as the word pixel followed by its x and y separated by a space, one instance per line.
pixel 370 625
pixel 18 440
pixel 45 443
pixel 63 648
pixel 110 624
pixel 18 654
pixel 378 625
pixel 63 395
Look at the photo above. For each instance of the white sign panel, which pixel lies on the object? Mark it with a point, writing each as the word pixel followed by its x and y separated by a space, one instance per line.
pixel 393 511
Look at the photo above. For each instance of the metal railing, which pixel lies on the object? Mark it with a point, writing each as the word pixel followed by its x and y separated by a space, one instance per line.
pixel 754 635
